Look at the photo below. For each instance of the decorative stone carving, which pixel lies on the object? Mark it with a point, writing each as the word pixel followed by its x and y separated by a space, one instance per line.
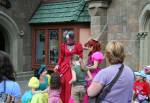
pixel 5 3
pixel 142 35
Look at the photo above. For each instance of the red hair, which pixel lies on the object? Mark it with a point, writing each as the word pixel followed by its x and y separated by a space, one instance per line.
pixel 93 43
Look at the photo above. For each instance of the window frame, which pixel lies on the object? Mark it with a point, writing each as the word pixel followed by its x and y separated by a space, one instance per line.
pixel 46 29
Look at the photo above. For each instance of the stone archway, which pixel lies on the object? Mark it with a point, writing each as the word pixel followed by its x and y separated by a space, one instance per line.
pixel 4 40
pixel 144 26
pixel 14 41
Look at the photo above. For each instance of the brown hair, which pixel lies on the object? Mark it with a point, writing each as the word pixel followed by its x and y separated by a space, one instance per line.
pixel 115 52
pixel 6 67
pixel 55 81
pixel 93 43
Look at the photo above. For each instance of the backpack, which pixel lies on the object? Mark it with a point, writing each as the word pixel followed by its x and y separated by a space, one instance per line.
pixel 6 98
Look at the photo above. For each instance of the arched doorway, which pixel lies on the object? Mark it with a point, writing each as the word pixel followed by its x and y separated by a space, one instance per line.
pixel 2 43
pixel 11 42
pixel 4 40
pixel 144 27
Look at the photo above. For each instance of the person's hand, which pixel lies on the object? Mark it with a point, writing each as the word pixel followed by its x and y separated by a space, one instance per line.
pixel 87 67
pixel 71 81
pixel 89 79
pixel 80 60
pixel 56 68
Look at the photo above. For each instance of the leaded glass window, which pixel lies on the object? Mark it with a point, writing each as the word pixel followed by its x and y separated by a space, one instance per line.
pixel 53 46
pixel 40 41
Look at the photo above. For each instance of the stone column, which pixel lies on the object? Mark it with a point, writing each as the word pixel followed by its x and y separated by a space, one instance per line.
pixel 98 13
pixel 141 36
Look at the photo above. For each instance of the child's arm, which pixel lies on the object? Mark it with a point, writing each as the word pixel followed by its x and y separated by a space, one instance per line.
pixel 46 90
pixel 73 76
pixel 89 75
pixel 93 66
pixel 34 91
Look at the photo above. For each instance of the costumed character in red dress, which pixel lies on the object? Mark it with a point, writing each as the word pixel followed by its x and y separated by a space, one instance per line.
pixel 67 49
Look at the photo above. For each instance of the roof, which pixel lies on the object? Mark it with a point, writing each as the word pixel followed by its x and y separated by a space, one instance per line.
pixel 60 12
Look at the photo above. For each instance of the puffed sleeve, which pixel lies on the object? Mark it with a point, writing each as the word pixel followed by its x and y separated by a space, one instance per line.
pixel 61 54
pixel 33 82
pixel 16 91
pixel 98 56
pixel 79 50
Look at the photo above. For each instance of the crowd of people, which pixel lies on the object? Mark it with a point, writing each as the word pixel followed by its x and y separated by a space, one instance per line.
pixel 74 81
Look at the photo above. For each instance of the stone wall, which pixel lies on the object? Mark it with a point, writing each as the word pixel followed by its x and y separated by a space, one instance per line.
pixel 21 12
pixel 123 25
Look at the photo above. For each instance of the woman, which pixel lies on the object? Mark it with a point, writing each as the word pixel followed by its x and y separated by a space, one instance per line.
pixel 37 84
pixel 121 92
pixel 95 58
pixel 7 78
pixel 67 49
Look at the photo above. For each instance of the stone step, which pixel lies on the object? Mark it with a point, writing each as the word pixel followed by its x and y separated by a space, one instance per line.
pixel 24 75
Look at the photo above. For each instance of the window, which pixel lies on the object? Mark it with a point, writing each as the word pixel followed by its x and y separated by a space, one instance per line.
pixel 45 45
pixel 53 46
pixel 40 52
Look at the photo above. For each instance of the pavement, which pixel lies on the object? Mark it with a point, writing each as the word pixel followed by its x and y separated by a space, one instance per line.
pixel 23 85
pixel 22 79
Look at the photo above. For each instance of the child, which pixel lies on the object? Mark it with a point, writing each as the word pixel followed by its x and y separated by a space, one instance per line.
pixel 78 81
pixel 54 89
pixel 141 88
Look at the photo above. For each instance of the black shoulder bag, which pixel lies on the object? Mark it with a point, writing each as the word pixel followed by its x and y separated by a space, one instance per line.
pixel 106 89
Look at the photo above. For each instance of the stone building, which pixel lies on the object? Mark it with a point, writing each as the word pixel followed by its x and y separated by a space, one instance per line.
pixel 22 20
pixel 15 31
pixel 127 21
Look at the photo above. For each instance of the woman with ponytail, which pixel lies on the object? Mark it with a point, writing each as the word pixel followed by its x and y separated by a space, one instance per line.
pixel 95 58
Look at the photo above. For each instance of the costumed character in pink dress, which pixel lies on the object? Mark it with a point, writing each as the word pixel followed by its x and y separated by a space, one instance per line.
pixel 67 49
pixel 95 57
